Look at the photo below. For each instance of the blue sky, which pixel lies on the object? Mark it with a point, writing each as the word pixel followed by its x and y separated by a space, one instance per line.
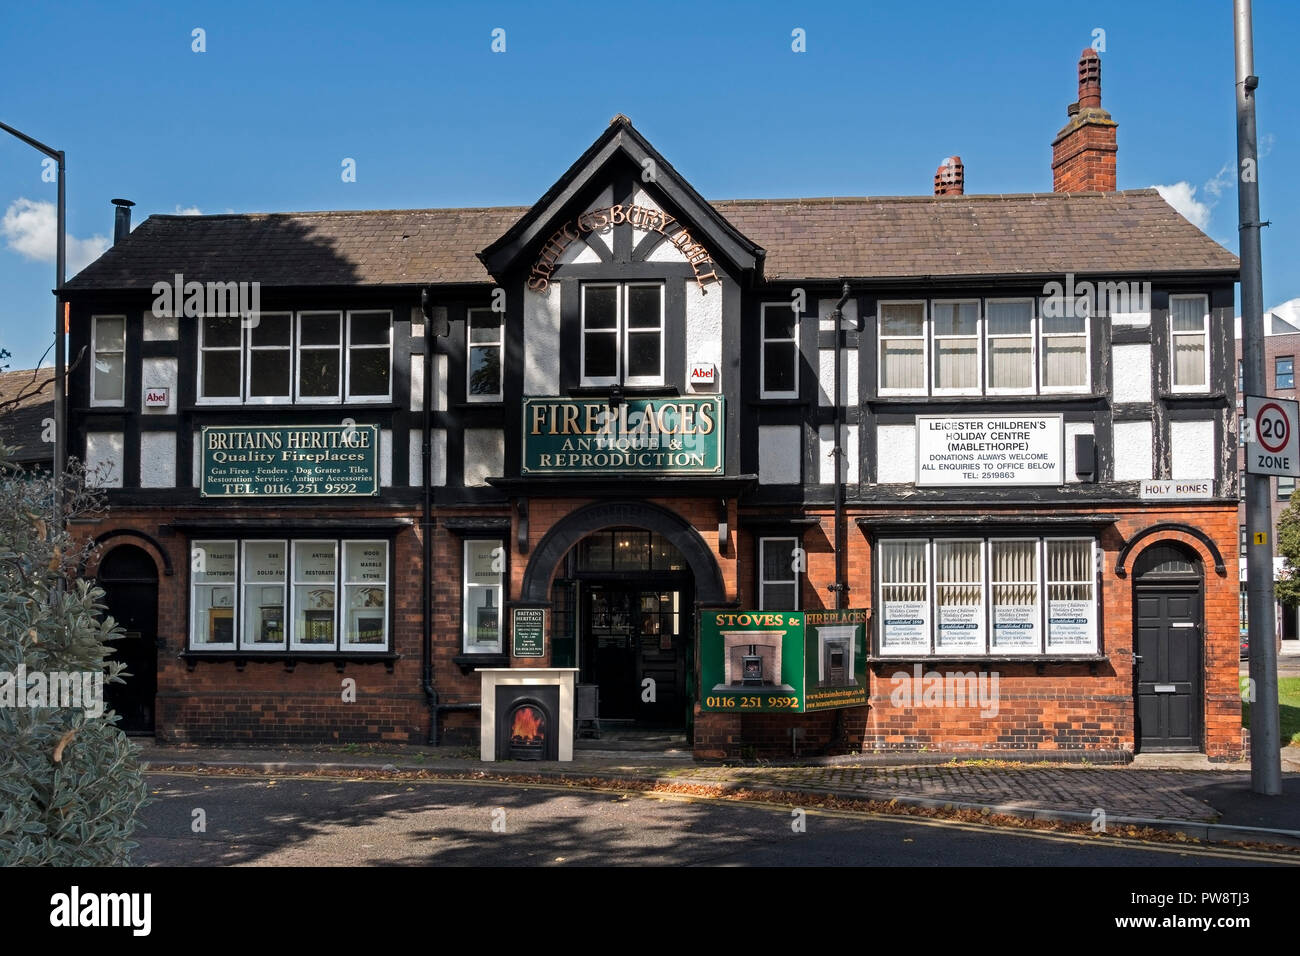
pixel 263 120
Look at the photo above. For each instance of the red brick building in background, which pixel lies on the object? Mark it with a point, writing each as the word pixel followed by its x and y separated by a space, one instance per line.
pixel 469 360
pixel 1281 349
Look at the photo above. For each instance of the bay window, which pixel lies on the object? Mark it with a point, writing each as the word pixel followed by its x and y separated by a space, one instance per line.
pixel 281 595
pixel 108 369
pixel 481 605
pixel 993 596
pixel 780 351
pixel 1189 339
pixel 483 356
pixel 622 339
pixel 902 348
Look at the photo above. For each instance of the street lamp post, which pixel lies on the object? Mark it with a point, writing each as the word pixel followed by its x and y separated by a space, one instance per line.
pixel 60 443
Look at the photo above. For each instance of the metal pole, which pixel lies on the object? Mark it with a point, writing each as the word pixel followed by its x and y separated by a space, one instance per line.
pixel 60 361
pixel 60 269
pixel 1265 756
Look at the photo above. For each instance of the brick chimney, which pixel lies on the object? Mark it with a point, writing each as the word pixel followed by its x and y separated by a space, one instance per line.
pixel 950 177
pixel 1083 153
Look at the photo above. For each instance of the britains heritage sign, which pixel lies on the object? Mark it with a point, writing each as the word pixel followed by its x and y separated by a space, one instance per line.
pixel 295 461
pixel 641 436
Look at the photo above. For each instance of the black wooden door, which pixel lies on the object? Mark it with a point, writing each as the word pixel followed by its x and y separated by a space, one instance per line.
pixel 1168 629
pixel 134 605
pixel 609 649
pixel 663 630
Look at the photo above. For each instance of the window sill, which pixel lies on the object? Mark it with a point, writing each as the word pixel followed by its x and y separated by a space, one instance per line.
pixel 469 662
pixel 387 405
pixel 290 659
pixel 629 391
pixel 1193 396
pixel 1040 661
pixel 994 399
pixel 779 402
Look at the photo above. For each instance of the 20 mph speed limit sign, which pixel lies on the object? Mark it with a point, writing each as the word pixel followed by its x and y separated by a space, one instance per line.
pixel 1269 431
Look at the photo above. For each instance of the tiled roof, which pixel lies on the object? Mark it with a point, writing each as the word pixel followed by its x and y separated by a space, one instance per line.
pixel 882 237
pixel 22 424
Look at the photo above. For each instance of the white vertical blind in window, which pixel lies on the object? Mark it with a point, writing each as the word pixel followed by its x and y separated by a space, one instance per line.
pixel 959 594
pixel 1065 352
pixel 956 346
pixel 1014 577
pixel 1187 320
pixel 902 346
pixel 1011 344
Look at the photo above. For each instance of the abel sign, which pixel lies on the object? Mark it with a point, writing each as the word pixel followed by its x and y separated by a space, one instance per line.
pixel 994 450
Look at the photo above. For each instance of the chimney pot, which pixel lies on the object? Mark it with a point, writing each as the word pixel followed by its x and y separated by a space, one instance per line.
pixel 1083 152
pixel 950 177
pixel 1089 79
pixel 121 219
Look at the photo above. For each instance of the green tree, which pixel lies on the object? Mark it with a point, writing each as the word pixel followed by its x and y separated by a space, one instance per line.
pixel 1287 586
pixel 70 781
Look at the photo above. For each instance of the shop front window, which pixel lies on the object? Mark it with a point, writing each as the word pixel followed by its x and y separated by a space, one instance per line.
pixel 289 595
pixel 1039 594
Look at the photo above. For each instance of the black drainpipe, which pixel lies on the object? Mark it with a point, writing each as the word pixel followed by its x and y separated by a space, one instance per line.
pixel 841 586
pixel 426 518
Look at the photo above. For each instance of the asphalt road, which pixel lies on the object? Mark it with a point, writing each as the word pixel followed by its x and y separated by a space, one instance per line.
pixel 295 821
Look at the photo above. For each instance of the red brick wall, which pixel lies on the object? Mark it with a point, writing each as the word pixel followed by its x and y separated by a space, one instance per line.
pixel 217 701
pixel 1084 160
pixel 1065 706
pixel 1053 706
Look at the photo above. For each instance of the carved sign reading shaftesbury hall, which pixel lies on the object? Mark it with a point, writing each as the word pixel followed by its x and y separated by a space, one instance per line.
pixel 639 217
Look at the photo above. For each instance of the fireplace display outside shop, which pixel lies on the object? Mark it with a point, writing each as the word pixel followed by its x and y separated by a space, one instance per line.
pixel 752 659
pixel 527 713
pixel 835 655
pixel 527 728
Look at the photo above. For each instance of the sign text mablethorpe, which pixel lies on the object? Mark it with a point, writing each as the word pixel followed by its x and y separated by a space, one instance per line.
pixel 1002 450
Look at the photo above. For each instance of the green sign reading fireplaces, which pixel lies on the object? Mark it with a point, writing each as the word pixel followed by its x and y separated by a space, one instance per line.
pixel 639 436
pixel 301 461
pixel 792 662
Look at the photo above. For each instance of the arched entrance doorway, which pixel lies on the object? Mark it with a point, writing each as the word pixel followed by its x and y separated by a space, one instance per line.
pixel 623 580
pixel 130 582
pixel 1168 629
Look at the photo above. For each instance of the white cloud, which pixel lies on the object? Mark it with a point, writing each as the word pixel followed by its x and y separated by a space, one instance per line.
pixel 1222 179
pixel 1182 196
pixel 31 229
pixel 188 211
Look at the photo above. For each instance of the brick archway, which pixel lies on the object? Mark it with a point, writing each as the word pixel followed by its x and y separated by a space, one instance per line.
pixel 571 529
